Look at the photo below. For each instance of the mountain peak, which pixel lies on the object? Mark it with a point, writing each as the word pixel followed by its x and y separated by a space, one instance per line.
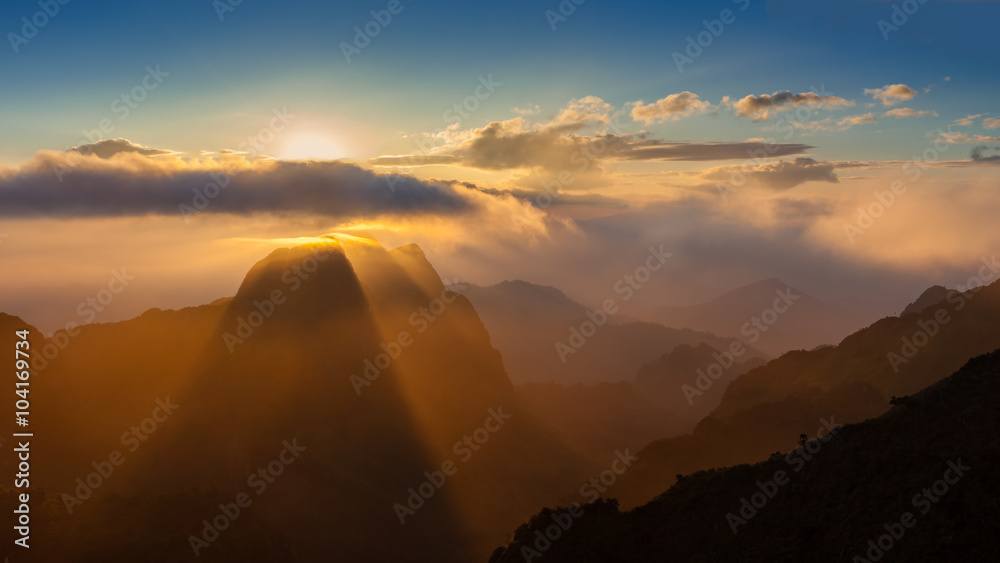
pixel 307 282
pixel 930 297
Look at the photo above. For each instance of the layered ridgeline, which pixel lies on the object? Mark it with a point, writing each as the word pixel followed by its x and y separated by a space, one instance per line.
pixel 771 406
pixel 344 403
pixel 771 315
pixel 545 336
pixel 918 483
pixel 690 380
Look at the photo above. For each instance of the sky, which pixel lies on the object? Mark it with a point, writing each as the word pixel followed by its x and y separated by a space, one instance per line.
pixel 549 141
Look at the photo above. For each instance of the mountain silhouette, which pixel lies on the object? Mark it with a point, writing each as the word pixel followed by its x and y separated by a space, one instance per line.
pixel 932 296
pixel 772 405
pixel 846 502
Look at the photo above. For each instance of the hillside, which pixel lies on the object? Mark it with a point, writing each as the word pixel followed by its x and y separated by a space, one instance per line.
pixel 916 472
pixel 773 404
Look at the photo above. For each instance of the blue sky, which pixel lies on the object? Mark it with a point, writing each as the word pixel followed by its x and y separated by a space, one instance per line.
pixel 270 54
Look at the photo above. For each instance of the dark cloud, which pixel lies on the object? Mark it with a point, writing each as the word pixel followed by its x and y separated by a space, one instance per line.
pixel 546 199
pixel 778 176
pixel 107 148
pixel 979 154
pixel 759 108
pixel 784 175
pixel 146 186
pixel 658 150
pixel 505 145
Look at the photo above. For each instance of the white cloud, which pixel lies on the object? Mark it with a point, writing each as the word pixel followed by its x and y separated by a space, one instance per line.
pixel 891 94
pixel 908 112
pixel 671 108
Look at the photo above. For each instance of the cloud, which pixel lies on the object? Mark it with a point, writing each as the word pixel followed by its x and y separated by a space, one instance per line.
pixel 825 124
pixel 907 112
pixel 948 78
pixel 131 184
pixel 508 145
pixel 760 108
pixel 585 109
pixel 777 176
pixel 957 137
pixel 673 107
pixel 530 110
pixel 853 120
pixel 891 94
pixel 107 148
pixel 694 152
pixel 979 154
pixel 967 120
pixel 991 123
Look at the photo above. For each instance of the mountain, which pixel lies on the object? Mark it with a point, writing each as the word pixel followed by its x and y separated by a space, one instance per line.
pixel 769 315
pixel 595 420
pixel 528 322
pixel 772 405
pixel 344 389
pixel 915 484
pixel 689 380
pixel 932 296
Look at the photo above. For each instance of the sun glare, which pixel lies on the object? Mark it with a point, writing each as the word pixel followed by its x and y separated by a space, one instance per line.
pixel 310 146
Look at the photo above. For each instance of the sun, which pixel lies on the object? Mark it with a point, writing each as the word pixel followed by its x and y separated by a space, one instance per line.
pixel 310 146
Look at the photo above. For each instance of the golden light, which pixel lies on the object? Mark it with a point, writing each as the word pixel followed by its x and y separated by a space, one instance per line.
pixel 310 146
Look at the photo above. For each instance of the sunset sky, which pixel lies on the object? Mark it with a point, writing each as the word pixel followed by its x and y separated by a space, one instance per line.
pixel 747 157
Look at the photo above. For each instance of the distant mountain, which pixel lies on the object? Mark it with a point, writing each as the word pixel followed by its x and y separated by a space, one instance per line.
pixel 771 405
pixel 916 484
pixel 769 315
pixel 595 420
pixel 689 381
pixel 526 322
pixel 527 302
